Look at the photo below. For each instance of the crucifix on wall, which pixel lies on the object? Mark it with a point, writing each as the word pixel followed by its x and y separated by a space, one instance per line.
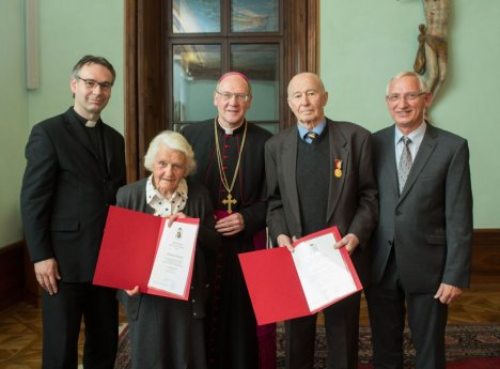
pixel 432 54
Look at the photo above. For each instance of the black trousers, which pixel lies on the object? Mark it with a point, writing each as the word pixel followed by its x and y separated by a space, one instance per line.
pixel 342 332
pixel 62 315
pixel 388 305
pixel 234 325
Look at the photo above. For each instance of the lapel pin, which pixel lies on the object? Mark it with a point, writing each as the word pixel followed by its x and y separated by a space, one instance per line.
pixel 337 172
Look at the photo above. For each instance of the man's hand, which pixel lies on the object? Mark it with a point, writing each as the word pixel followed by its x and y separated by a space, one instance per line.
pixel 47 274
pixel 350 241
pixel 285 241
pixel 230 225
pixel 447 293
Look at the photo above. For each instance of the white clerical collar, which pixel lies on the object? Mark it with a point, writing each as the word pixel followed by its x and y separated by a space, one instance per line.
pixel 229 130
pixel 90 124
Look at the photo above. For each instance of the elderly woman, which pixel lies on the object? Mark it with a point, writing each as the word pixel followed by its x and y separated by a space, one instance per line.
pixel 168 333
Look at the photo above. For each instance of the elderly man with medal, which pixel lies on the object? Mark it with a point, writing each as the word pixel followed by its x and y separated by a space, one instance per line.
pixel 230 156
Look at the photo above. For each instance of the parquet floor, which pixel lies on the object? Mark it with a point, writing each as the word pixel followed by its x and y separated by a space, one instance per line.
pixel 20 325
pixel 21 337
pixel 480 304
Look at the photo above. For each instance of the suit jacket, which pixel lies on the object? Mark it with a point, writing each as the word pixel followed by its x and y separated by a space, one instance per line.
pixel 66 192
pixel 430 224
pixel 198 205
pixel 352 197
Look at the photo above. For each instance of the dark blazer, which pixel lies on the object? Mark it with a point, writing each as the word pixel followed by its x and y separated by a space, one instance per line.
pixel 66 192
pixel 352 198
pixel 430 224
pixel 198 205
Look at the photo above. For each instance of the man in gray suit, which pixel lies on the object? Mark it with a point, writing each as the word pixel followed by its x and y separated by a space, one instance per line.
pixel 319 173
pixel 422 244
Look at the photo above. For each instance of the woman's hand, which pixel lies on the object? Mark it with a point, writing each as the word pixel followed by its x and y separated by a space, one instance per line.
pixel 133 292
pixel 172 218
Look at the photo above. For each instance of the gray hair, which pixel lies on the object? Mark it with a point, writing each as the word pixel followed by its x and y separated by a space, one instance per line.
pixel 421 84
pixel 173 141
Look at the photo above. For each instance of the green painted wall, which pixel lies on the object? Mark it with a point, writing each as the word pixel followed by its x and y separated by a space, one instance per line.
pixel 13 117
pixel 365 42
pixel 68 29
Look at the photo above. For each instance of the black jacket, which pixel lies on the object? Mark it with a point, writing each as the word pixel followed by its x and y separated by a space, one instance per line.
pixel 66 192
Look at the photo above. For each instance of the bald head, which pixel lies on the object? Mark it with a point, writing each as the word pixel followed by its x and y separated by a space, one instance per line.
pixel 307 98
pixel 305 76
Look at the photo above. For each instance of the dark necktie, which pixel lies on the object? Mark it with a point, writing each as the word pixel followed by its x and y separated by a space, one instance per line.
pixel 312 135
pixel 405 162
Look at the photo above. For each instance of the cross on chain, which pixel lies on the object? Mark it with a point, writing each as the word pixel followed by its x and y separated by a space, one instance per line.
pixel 229 202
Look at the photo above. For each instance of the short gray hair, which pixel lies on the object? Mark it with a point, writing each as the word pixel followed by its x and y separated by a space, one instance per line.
pixel 173 141
pixel 421 83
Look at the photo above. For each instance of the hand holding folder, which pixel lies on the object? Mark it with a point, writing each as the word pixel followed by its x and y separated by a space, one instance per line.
pixel 139 249
pixel 285 285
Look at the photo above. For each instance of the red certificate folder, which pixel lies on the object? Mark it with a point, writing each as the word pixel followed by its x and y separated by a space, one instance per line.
pixel 274 285
pixel 128 251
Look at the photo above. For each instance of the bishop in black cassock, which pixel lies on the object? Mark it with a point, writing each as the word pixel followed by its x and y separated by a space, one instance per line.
pixel 232 333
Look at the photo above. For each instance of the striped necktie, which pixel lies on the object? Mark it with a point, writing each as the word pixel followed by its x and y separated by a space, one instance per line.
pixel 405 162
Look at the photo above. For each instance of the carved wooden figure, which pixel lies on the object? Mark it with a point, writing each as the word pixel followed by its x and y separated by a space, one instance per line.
pixel 432 55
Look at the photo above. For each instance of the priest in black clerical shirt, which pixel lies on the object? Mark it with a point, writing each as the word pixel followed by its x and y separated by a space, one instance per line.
pixel 75 164
pixel 230 158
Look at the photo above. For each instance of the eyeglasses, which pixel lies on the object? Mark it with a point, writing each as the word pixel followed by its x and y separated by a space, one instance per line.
pixel 409 96
pixel 226 96
pixel 91 84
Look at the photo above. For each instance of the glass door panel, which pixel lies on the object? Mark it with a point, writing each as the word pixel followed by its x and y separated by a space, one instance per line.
pixel 196 69
pixel 196 16
pixel 255 15
pixel 260 62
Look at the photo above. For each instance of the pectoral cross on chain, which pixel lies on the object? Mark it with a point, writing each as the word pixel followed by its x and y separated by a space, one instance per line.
pixel 229 202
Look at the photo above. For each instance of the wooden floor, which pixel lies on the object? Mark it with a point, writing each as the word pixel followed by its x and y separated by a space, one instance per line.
pixel 479 304
pixel 20 325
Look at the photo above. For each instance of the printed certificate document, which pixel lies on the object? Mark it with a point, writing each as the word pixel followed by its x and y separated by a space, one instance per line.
pixel 174 257
pixel 322 270
pixel 139 249
pixel 285 285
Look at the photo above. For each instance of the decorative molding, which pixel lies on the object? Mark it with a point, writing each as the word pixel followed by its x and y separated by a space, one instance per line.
pixel 32 45
pixel 17 278
pixel 11 274
pixel 486 252
pixel 486 237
